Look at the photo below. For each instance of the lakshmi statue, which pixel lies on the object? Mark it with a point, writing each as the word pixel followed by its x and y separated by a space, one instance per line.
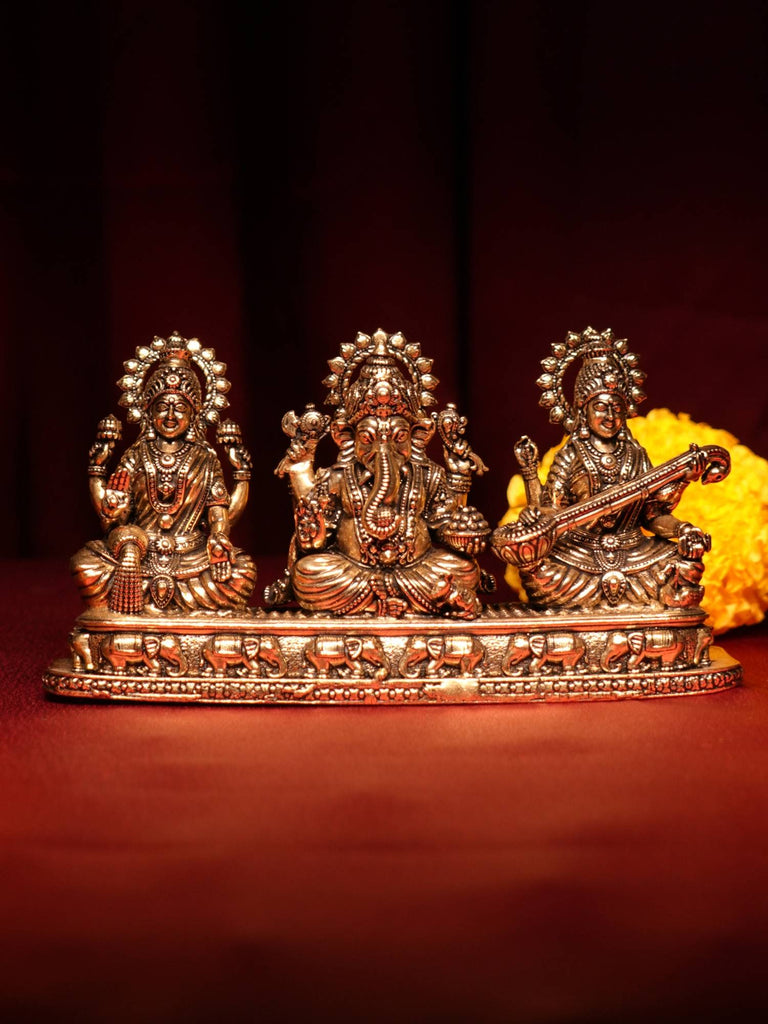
pixel 165 509
pixel 601 531
pixel 385 530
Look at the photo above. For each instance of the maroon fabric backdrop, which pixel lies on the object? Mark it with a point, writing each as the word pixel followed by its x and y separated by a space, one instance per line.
pixel 483 176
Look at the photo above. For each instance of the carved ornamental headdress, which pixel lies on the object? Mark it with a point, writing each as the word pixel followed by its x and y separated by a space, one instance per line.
pixel 607 367
pixel 173 360
pixel 380 375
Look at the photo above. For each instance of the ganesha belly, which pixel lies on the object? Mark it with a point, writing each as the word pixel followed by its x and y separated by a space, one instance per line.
pixel 384 530
pixel 166 510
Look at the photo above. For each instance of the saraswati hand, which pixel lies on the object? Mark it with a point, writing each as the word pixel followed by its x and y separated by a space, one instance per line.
pixel 693 542
pixel 530 515
pixel 527 455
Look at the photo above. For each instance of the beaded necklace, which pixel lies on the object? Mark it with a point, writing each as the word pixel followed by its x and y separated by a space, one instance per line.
pixel 605 468
pixel 166 474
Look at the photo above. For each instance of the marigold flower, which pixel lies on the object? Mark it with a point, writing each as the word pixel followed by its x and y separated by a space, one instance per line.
pixel 734 512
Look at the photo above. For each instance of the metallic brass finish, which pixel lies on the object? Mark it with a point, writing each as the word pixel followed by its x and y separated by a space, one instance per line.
pixel 165 509
pixel 384 531
pixel 507 654
pixel 600 534
pixel 523 545
pixel 382 562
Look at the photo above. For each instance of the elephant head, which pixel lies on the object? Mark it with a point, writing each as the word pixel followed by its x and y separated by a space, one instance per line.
pixel 383 446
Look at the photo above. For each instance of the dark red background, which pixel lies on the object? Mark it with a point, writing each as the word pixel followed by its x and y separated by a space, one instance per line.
pixel 482 176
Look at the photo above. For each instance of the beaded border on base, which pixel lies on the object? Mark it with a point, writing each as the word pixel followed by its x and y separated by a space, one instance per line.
pixel 502 656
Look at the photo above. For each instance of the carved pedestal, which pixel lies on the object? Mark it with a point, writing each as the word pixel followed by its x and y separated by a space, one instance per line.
pixel 508 654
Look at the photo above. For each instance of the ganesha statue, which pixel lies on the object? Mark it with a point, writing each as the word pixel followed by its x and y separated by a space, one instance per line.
pixel 384 530
pixel 165 509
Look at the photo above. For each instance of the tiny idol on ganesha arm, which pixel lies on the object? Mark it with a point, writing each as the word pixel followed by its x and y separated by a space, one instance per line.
pixel 380 601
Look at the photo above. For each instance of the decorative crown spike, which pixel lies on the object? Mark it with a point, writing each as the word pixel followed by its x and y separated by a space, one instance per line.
pixel 375 363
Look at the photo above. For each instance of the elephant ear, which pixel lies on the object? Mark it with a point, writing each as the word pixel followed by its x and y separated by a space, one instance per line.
pixel 354 646
pixel 538 644
pixel 152 645
pixel 341 432
pixel 636 642
pixel 435 646
pixel 422 432
pixel 251 647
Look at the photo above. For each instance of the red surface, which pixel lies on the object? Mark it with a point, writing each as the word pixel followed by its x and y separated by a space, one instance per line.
pixel 583 863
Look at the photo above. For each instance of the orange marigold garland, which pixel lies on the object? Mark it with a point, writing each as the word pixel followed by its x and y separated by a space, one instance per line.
pixel 735 514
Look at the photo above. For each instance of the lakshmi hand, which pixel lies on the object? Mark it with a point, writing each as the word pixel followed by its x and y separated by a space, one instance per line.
pixel 99 452
pixel 115 503
pixel 220 556
pixel 240 458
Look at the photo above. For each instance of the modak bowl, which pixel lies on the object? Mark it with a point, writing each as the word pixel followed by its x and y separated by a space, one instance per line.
pixel 466 530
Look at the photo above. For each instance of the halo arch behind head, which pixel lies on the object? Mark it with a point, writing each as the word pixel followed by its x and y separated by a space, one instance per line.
pixel 607 363
pixel 387 352
pixel 177 349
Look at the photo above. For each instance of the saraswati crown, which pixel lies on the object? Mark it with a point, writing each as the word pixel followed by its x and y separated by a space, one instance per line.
pixel 607 366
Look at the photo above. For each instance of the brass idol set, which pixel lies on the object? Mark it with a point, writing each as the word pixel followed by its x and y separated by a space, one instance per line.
pixel 380 599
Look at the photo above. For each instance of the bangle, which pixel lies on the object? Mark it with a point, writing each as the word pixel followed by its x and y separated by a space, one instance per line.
pixel 97 471
pixel 242 474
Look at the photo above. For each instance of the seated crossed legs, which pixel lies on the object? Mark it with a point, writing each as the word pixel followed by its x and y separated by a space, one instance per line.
pixel 383 558
pixel 166 510
pixel 600 533
pixel 384 530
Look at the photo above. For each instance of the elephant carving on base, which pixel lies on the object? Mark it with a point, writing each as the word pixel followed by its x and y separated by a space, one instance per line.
pixel 663 645
pixel 340 653
pixel 81 650
pixel 123 649
pixel 701 646
pixel 564 649
pixel 463 652
pixel 248 653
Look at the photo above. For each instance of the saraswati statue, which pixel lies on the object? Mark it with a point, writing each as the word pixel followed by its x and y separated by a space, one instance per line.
pixel 600 532
pixel 383 599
